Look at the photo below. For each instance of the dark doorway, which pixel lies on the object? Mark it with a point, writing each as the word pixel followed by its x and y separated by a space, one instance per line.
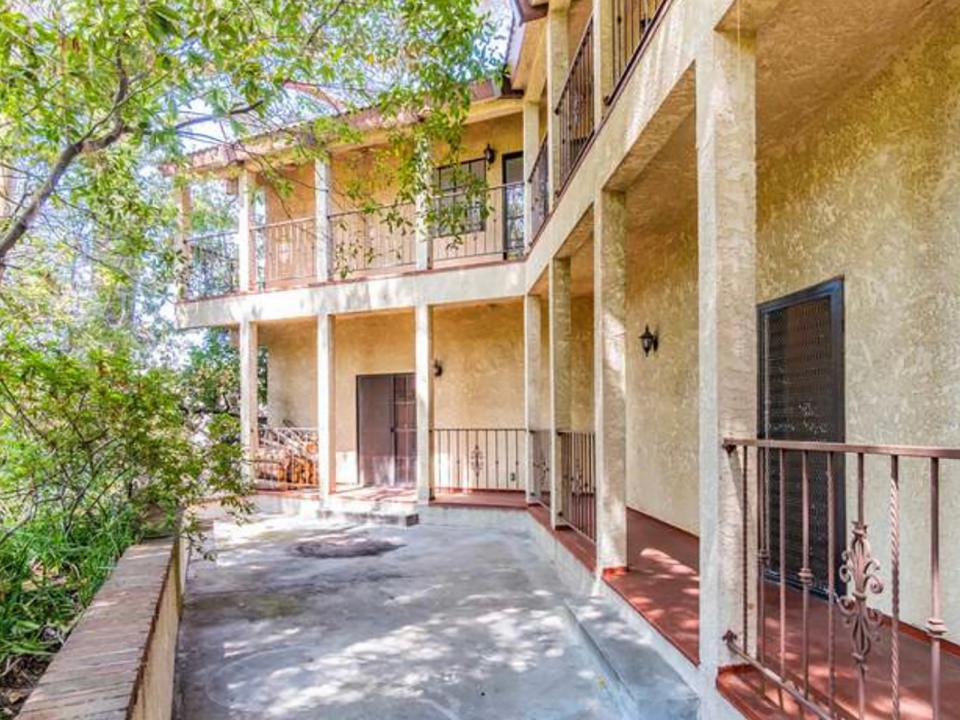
pixel 513 204
pixel 386 430
pixel 801 398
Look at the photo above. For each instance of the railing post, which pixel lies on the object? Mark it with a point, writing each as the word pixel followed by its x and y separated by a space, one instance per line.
pixel 246 255
pixel 326 406
pixel 558 61
pixel 424 390
pixel 322 236
pixel 604 19
pixel 531 385
pixel 531 147
pixel 249 410
pixel 610 378
pixel 422 239
pixel 560 377
pixel 726 178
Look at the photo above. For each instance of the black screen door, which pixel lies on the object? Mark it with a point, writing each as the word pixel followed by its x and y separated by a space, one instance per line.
pixel 801 398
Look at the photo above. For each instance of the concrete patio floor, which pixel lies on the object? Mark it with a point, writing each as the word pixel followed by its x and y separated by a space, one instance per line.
pixel 446 623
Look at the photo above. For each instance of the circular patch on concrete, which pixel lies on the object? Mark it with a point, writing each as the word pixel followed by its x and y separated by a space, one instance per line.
pixel 344 546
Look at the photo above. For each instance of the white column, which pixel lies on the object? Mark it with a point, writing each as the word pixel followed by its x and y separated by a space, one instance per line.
pixel 604 19
pixel 726 179
pixel 560 390
pixel 246 258
pixel 184 264
pixel 610 378
pixel 248 393
pixel 557 64
pixel 321 204
pixel 424 243
pixel 531 146
pixel 531 385
pixel 424 383
pixel 326 406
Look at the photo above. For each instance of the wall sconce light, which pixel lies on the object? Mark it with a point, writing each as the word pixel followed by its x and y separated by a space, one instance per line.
pixel 437 368
pixel 489 154
pixel 649 341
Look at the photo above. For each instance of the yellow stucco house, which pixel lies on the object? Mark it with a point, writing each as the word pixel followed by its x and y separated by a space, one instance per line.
pixel 704 330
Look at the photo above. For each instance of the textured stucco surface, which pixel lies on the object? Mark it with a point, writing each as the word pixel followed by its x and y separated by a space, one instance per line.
pixel 662 431
pixel 581 363
pixel 870 194
pixel 291 372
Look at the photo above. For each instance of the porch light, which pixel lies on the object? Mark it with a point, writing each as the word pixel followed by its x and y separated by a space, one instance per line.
pixel 649 341
pixel 437 368
pixel 489 154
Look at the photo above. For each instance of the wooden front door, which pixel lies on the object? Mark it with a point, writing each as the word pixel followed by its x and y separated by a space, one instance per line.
pixel 801 398
pixel 386 430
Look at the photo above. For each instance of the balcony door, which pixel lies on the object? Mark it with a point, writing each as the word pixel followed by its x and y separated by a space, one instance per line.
pixel 801 398
pixel 386 430
pixel 513 204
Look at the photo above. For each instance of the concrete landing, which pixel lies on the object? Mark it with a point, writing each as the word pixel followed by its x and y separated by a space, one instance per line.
pixel 304 618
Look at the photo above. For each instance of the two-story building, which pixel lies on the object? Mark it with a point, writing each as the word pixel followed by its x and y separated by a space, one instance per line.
pixel 706 325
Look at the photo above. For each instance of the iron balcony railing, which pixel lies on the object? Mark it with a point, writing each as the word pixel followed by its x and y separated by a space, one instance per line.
pixel 466 459
pixel 475 225
pixel 829 630
pixel 285 251
pixel 578 481
pixel 575 109
pixel 539 189
pixel 541 466
pixel 383 238
pixel 633 24
pixel 213 265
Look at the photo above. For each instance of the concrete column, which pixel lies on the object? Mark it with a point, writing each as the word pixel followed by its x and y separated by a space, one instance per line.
pixel 246 256
pixel 558 61
pixel 424 383
pixel 184 264
pixel 531 384
pixel 610 378
pixel 249 403
pixel 531 146
pixel 726 179
pixel 421 233
pixel 321 194
pixel 326 406
pixel 560 390
pixel 604 19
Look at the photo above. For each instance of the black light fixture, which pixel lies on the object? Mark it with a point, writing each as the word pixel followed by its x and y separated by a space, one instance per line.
pixel 489 154
pixel 437 368
pixel 649 341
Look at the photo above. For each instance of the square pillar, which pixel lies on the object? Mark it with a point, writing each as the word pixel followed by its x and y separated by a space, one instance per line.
pixel 184 263
pixel 560 380
pixel 246 254
pixel 322 239
pixel 421 233
pixel 326 407
pixel 531 146
pixel 424 386
pixel 558 62
pixel 610 378
pixel 531 384
pixel 604 21
pixel 726 182
pixel 249 402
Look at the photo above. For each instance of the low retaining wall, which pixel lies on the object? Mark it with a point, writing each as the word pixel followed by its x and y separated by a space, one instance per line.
pixel 118 662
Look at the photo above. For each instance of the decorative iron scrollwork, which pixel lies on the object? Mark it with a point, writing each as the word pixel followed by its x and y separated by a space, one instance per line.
pixel 860 571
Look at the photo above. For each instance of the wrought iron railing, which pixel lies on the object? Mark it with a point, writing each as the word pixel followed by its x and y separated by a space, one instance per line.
pixel 579 481
pixel 814 583
pixel 539 189
pixel 373 240
pixel 485 224
pixel 286 252
pixel 478 458
pixel 575 109
pixel 633 23
pixel 287 456
pixel 541 466
pixel 213 268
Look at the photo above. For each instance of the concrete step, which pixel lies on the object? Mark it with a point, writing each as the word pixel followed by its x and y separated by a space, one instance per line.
pixel 373 511
pixel 641 680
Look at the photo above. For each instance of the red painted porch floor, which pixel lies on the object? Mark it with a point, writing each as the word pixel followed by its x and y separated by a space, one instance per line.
pixel 743 686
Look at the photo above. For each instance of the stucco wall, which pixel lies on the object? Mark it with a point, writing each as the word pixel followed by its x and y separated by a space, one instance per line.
pixel 871 194
pixel 662 408
pixel 581 363
pixel 481 350
pixel 293 199
pixel 291 372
